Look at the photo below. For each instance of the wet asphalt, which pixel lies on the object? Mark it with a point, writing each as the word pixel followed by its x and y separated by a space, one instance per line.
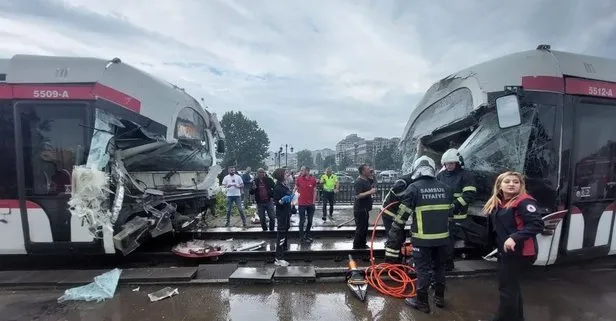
pixel 560 296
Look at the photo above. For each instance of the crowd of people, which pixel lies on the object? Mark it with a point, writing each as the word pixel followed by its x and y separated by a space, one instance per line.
pixel 435 202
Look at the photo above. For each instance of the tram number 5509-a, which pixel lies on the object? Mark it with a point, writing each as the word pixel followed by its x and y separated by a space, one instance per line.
pixel 62 94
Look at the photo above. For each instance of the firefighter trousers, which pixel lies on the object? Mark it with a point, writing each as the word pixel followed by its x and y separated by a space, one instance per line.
pixel 427 260
pixel 453 231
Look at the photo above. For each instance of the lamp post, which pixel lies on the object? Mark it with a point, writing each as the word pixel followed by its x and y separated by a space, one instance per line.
pixel 286 153
pixel 279 156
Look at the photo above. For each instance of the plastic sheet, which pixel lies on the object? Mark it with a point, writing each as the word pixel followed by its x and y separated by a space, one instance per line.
pixel 103 287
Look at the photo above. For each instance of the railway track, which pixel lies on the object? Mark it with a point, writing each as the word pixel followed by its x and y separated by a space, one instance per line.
pixel 331 246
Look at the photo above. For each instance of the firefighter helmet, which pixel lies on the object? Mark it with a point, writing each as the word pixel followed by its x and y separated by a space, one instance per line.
pixel 424 166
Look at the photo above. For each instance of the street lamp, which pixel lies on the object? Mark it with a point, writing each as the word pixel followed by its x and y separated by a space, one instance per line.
pixel 286 153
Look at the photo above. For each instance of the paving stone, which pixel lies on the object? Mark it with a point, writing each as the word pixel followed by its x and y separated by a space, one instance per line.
pixel 215 271
pixel 247 275
pixel 295 274
pixel 177 274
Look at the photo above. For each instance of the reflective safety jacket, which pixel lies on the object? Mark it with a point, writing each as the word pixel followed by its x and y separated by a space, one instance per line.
pixel 464 190
pixel 395 195
pixel 429 202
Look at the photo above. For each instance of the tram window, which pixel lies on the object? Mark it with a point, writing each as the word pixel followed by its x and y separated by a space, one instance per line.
pixel 190 125
pixel 595 152
pixel 491 150
pixel 8 176
pixel 55 138
pixel 455 106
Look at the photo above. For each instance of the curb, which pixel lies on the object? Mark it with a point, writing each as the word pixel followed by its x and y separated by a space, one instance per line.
pixel 214 274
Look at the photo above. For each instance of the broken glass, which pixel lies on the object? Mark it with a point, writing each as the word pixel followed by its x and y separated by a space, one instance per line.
pixel 493 149
pixel 103 132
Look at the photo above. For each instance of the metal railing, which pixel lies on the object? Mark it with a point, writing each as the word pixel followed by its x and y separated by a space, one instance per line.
pixel 346 195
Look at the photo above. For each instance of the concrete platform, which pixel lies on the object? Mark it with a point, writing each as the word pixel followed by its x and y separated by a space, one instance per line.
pixel 257 274
pixel 252 275
pixel 293 274
pixel 214 273
pixel 171 274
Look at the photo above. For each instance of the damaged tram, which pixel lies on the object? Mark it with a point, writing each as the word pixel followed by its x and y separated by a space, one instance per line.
pixel 98 156
pixel 545 113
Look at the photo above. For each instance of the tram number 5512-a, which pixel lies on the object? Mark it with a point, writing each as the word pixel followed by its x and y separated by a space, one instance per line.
pixel 600 91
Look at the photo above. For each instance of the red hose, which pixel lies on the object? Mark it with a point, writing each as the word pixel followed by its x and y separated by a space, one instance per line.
pixel 400 285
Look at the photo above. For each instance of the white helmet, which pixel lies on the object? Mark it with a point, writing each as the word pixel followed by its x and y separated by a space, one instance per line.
pixel 423 166
pixel 451 156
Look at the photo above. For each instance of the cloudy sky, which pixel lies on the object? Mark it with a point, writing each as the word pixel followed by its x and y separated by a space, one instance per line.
pixel 310 72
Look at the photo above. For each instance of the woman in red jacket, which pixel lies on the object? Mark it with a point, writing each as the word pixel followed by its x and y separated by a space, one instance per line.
pixel 515 222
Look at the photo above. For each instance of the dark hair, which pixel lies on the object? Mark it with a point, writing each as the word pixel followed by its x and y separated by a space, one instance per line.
pixel 279 174
pixel 361 168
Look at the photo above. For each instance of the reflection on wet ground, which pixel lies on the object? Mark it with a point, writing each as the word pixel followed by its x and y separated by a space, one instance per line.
pixel 342 214
pixel 319 244
pixel 566 296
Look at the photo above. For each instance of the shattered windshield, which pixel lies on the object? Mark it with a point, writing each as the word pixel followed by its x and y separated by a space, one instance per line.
pixel 453 107
pixel 493 149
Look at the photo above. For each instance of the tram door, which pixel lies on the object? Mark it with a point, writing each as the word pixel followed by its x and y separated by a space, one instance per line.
pixel 593 194
pixel 54 136
pixel 11 226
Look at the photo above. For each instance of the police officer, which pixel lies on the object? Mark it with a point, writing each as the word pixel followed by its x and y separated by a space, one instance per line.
pixel 430 203
pixel 464 189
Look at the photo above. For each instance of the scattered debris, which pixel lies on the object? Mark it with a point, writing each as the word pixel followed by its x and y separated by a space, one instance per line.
pixel 255 219
pixel 103 287
pixel 278 262
pixel 197 249
pixel 252 247
pixel 89 194
pixel 492 256
pixel 163 293
pixel 136 289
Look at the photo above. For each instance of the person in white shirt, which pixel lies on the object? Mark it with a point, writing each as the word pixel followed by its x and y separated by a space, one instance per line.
pixel 234 185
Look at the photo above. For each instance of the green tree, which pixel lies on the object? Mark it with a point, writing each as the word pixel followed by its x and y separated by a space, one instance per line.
pixel 329 161
pixel 318 161
pixel 388 158
pixel 246 143
pixel 304 158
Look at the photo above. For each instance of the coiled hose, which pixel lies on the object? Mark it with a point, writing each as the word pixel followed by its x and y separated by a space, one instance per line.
pixel 399 274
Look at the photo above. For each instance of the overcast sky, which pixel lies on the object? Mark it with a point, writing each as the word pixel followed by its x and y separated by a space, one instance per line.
pixel 310 72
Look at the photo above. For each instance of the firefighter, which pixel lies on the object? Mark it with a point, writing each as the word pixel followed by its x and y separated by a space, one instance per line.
pixel 394 195
pixel 429 202
pixel 464 189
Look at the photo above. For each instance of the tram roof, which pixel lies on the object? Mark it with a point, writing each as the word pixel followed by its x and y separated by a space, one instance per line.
pixel 542 65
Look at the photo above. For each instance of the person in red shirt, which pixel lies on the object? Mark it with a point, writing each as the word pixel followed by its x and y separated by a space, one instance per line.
pixel 306 185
